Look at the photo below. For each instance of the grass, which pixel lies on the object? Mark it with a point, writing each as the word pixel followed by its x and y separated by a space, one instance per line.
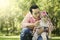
pixel 18 38
pixel 55 39
pixel 9 38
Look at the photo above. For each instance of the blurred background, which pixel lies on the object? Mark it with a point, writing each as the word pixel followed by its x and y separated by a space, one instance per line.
pixel 12 13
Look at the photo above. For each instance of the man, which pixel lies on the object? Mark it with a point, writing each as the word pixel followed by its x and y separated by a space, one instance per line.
pixel 28 22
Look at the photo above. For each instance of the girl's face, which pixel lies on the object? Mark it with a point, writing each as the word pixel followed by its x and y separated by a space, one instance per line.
pixel 45 17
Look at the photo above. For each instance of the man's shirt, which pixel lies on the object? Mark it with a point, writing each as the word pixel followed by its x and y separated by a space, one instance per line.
pixel 28 19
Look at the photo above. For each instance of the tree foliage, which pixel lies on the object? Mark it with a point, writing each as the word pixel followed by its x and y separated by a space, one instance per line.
pixel 11 17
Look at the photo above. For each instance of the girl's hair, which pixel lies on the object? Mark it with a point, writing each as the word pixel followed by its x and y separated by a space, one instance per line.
pixel 44 13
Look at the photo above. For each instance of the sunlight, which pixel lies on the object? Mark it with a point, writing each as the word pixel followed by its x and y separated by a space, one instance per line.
pixel 4 3
pixel 7 7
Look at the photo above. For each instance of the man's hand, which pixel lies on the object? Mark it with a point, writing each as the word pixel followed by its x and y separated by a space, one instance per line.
pixel 31 25
pixel 40 30
pixel 37 23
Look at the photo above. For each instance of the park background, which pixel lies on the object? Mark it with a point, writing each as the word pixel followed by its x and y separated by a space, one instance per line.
pixel 12 13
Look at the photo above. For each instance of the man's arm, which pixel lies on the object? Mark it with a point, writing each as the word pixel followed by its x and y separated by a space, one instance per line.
pixel 25 21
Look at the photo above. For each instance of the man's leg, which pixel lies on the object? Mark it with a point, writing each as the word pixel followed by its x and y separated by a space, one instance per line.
pixel 25 34
pixel 40 37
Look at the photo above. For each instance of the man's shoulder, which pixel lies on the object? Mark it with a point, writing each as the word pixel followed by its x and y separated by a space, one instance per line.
pixel 28 15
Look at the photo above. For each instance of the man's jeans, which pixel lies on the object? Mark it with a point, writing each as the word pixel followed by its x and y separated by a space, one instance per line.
pixel 40 38
pixel 26 34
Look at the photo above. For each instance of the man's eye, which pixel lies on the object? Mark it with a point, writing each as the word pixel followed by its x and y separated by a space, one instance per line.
pixel 35 13
pixel 38 12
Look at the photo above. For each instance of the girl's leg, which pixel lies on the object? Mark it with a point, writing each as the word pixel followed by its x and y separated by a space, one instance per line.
pixel 44 36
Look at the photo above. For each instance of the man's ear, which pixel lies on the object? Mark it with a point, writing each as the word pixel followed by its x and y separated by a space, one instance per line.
pixel 32 9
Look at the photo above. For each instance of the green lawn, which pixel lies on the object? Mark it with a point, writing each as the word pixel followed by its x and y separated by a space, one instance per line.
pixel 55 39
pixel 18 39
pixel 9 38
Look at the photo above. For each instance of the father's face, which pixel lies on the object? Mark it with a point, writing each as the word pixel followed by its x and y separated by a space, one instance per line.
pixel 36 13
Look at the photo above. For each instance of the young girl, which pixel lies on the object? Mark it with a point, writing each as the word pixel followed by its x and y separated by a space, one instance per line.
pixel 45 25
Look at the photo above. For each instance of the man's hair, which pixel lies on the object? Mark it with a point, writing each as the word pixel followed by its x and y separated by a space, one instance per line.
pixel 33 7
